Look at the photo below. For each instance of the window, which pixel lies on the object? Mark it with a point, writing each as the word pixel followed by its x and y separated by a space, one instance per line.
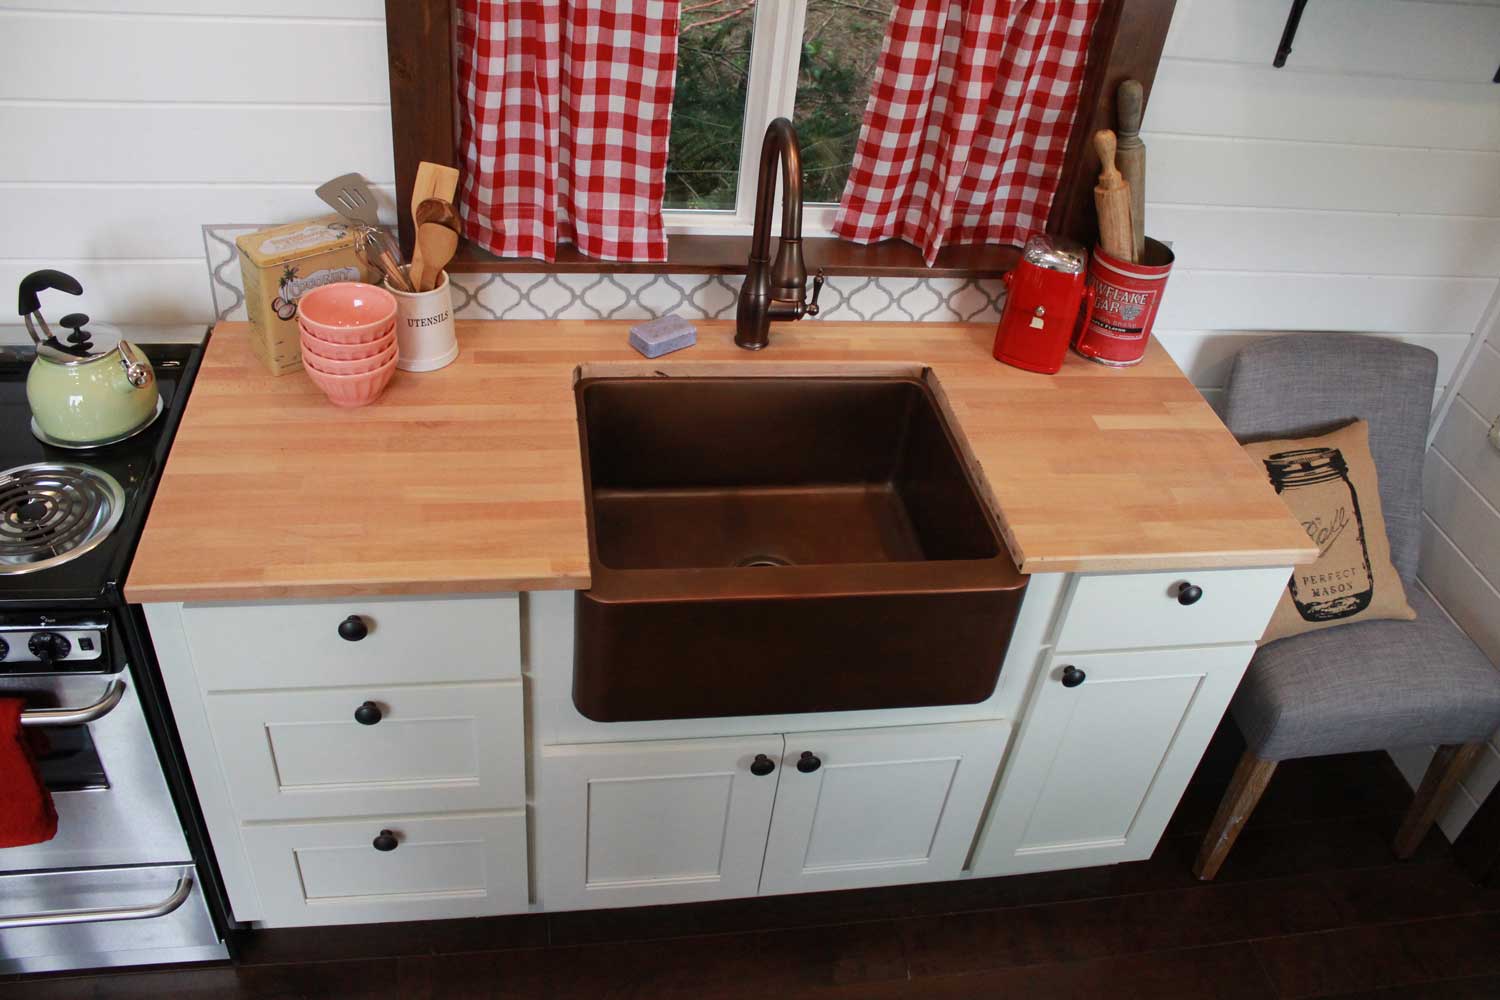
pixel 743 63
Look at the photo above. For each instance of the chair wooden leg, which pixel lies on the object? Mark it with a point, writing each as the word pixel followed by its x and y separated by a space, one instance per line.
pixel 1251 775
pixel 1449 765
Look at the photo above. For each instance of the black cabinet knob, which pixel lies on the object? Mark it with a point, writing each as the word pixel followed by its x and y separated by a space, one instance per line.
pixel 808 763
pixel 353 628
pixel 1188 593
pixel 385 840
pixel 1072 676
pixel 762 765
pixel 367 714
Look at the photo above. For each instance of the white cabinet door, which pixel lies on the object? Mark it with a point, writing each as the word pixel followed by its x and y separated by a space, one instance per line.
pixel 1099 767
pixel 882 806
pixel 631 824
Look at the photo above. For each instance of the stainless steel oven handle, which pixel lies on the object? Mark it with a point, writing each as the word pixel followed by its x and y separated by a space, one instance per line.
pixel 76 716
pixel 54 917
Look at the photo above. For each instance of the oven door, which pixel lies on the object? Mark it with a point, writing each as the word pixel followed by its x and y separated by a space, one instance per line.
pixel 99 763
pixel 51 921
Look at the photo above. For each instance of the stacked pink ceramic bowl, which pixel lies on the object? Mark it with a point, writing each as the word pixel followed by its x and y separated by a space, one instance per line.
pixel 348 340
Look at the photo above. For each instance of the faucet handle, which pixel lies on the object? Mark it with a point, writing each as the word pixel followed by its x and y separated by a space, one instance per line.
pixel 812 304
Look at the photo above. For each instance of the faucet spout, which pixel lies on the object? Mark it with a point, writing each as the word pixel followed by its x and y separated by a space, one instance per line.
pixel 775 290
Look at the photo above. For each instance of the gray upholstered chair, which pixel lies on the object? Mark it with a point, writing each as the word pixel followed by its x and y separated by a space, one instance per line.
pixel 1370 685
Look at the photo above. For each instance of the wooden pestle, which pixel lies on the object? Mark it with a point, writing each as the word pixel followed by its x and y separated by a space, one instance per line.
pixel 1112 201
pixel 1130 155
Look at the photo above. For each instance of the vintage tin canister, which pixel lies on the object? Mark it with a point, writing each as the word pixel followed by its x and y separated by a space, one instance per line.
pixel 1126 299
pixel 277 266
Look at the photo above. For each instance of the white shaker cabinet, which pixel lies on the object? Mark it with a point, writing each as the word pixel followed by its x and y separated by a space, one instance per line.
pixel 1104 752
pixel 356 760
pixel 632 824
pixel 1138 673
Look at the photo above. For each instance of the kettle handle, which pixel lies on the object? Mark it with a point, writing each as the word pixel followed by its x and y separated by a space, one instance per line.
pixel 40 281
pixel 137 369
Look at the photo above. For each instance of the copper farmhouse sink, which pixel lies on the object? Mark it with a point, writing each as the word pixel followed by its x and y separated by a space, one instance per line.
pixel 782 544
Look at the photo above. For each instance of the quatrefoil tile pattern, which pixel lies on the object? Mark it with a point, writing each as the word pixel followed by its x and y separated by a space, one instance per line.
pixel 645 296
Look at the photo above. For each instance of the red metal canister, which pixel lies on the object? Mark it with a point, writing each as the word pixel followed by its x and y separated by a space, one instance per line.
pixel 1126 299
pixel 1045 292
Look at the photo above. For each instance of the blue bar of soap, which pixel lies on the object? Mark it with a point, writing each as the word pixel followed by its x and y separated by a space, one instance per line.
pixel 663 336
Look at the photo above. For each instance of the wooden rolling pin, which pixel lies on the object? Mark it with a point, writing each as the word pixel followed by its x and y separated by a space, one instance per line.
pixel 1130 155
pixel 1112 201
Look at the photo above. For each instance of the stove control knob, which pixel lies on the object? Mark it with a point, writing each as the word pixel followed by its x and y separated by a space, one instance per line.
pixel 47 646
pixel 4 649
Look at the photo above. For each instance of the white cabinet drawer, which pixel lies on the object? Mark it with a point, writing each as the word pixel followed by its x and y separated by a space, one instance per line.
pixel 332 873
pixel 293 645
pixel 294 754
pixel 1121 610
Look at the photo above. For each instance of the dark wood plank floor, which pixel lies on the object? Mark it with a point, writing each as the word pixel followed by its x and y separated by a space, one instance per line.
pixel 1310 903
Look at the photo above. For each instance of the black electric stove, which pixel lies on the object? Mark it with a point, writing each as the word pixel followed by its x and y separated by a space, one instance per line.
pixel 70 520
pixel 95 577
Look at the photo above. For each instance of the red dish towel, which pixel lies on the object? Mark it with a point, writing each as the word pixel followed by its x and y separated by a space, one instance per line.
pixel 26 813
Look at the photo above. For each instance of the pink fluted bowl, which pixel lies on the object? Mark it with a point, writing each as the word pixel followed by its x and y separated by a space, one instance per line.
pixel 313 344
pixel 353 390
pixel 359 366
pixel 347 312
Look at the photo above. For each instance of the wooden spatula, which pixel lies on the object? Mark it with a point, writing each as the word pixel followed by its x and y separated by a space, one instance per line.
pixel 433 181
pixel 1112 200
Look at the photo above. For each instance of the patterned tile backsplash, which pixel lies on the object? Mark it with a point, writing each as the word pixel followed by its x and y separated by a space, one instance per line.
pixel 645 296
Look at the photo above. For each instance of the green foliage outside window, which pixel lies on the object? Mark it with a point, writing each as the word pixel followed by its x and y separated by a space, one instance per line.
pixel 840 48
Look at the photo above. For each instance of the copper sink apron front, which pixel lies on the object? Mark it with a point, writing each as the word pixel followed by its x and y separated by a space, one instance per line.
pixel 776 544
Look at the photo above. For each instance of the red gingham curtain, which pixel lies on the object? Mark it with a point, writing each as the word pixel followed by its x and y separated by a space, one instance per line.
pixel 564 127
pixel 967 122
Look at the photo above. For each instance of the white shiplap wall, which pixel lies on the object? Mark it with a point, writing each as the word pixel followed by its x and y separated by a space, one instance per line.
pixel 129 124
pixel 1357 188
pixel 1461 544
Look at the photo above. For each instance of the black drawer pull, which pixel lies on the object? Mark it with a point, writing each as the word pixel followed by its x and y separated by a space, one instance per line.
pixel 385 840
pixel 368 714
pixel 1188 593
pixel 761 765
pixel 808 763
pixel 353 628
pixel 1072 676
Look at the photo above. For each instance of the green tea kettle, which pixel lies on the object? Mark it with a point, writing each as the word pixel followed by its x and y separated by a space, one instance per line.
pixel 94 389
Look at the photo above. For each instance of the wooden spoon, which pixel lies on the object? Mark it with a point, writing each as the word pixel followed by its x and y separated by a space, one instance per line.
pixel 431 212
pixel 436 245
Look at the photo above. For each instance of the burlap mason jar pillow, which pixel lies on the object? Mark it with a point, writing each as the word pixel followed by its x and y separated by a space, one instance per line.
pixel 1329 483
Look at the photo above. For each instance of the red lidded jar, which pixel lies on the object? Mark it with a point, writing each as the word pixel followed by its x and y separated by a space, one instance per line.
pixel 1045 293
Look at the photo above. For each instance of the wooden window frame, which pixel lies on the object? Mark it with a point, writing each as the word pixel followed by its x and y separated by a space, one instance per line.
pixel 1127 43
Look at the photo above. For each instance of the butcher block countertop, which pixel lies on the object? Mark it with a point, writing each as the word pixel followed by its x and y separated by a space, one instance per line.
pixel 468 479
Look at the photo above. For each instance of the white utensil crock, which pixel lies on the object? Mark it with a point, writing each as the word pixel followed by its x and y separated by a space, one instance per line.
pixel 425 340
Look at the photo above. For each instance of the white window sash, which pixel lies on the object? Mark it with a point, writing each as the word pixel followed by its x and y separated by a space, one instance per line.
pixel 775 57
